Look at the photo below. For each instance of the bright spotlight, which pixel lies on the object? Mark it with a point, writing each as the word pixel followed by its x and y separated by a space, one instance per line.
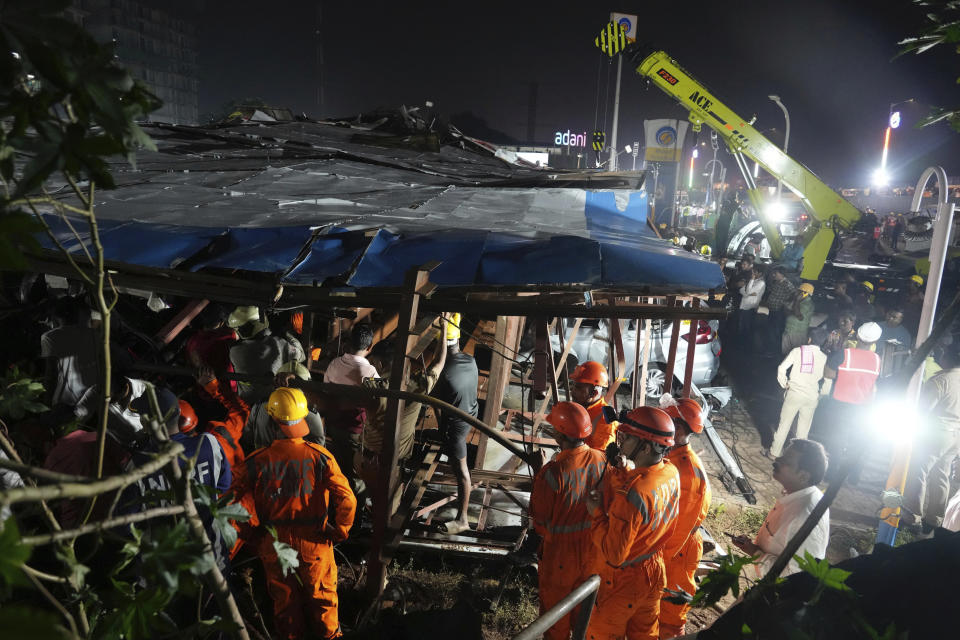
pixel 628 149
pixel 894 420
pixel 880 178
pixel 776 211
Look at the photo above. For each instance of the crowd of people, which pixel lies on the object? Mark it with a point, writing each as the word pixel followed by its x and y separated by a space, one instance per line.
pixel 623 497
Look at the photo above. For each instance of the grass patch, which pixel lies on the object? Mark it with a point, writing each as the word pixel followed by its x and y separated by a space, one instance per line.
pixel 738 520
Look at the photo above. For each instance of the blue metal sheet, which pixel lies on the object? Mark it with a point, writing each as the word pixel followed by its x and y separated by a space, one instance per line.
pixel 658 264
pixel 146 245
pixel 389 256
pixel 266 249
pixel 330 256
pixel 514 260
pixel 606 220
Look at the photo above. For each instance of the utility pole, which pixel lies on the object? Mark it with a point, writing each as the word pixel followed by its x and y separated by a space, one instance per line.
pixel 616 117
pixel 319 69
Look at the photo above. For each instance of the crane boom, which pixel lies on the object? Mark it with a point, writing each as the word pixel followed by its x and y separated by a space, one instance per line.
pixel 828 209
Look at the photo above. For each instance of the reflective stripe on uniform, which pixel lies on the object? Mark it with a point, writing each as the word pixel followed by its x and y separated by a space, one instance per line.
pixel 568 528
pixel 637 501
pixel 291 522
pixel 639 558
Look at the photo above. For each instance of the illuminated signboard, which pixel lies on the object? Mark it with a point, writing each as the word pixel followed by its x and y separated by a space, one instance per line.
pixel 567 139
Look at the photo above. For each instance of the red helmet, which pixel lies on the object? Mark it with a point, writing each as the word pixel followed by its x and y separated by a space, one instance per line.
pixel 688 410
pixel 649 423
pixel 591 372
pixel 188 417
pixel 570 419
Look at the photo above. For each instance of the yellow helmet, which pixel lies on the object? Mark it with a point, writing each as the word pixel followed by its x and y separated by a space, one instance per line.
pixel 287 405
pixel 676 240
pixel 867 284
pixel 917 279
pixel 453 327
pixel 705 250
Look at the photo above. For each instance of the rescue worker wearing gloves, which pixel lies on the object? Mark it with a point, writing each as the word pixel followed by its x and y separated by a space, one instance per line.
pixel 228 431
pixel 634 516
pixel 294 485
pixel 685 547
pixel 559 513
pixel 590 381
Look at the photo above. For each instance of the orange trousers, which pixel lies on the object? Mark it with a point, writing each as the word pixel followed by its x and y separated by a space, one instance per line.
pixel 680 571
pixel 628 605
pixel 306 598
pixel 566 561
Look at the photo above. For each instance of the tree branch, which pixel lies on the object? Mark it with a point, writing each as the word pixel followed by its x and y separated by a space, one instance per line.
pixel 56 603
pixel 63 249
pixel 42 474
pixel 49 577
pixel 70 534
pixel 97 487
pixel 11 452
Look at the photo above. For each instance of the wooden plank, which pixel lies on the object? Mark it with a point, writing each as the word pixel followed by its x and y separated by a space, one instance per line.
pixel 691 350
pixel 386 483
pixel 484 509
pixel 618 361
pixel 500 367
pixel 183 318
pixel 672 351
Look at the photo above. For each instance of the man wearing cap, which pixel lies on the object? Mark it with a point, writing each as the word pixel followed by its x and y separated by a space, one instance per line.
pixel 559 513
pixel 797 322
pixel 634 515
pixel 852 374
pixel 259 352
pixel 683 550
pixel 589 383
pixel 296 488
pixel 458 385
pixel 802 385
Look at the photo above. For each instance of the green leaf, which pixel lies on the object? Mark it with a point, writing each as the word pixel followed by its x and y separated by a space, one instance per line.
pixel 722 580
pixel 21 621
pixel 13 554
pixel 78 571
pixel 286 555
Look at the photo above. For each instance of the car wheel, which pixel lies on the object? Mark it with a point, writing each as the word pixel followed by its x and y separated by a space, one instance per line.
pixel 656 376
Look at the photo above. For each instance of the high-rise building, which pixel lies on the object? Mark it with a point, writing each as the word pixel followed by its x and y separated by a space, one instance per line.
pixel 157 48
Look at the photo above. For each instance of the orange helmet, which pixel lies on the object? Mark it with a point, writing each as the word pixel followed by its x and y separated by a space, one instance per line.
pixel 188 417
pixel 591 372
pixel 570 419
pixel 688 410
pixel 648 423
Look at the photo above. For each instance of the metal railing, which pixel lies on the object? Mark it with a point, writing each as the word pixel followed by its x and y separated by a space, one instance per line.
pixel 586 593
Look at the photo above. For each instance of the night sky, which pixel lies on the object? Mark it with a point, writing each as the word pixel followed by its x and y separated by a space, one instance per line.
pixel 831 62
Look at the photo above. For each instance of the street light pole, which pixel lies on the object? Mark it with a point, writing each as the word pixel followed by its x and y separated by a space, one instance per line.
pixel 786 138
pixel 616 117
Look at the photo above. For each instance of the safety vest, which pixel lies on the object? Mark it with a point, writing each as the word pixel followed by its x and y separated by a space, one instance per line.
pixel 856 376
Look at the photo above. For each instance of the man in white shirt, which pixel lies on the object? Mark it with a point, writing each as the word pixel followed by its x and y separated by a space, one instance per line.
pixel 752 286
pixel 799 470
pixel 803 391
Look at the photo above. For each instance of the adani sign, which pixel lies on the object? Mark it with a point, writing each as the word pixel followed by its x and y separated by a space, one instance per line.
pixel 567 139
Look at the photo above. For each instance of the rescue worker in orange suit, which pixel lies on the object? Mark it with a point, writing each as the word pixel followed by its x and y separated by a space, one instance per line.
pixel 227 432
pixel 634 516
pixel 684 549
pixel 293 486
pixel 559 513
pixel 590 382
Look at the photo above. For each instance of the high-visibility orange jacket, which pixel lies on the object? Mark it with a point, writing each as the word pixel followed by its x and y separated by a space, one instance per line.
pixel 603 432
pixel 293 485
pixel 559 513
pixel 228 432
pixel 637 517
pixel 683 550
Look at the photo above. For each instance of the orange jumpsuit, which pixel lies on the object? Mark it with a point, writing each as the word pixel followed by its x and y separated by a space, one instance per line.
pixel 603 432
pixel 567 555
pixel 292 485
pixel 228 432
pixel 684 549
pixel 637 517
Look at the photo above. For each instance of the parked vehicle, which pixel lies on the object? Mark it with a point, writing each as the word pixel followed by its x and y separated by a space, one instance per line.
pixel 592 342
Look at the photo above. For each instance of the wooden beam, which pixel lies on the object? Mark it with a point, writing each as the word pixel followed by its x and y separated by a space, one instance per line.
pixel 691 350
pixel 672 351
pixel 505 339
pixel 618 360
pixel 385 486
pixel 177 324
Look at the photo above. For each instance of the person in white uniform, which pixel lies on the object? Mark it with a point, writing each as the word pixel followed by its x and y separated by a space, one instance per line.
pixel 805 365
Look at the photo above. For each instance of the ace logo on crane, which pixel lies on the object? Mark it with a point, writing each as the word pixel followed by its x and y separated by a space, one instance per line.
pixel 701 101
